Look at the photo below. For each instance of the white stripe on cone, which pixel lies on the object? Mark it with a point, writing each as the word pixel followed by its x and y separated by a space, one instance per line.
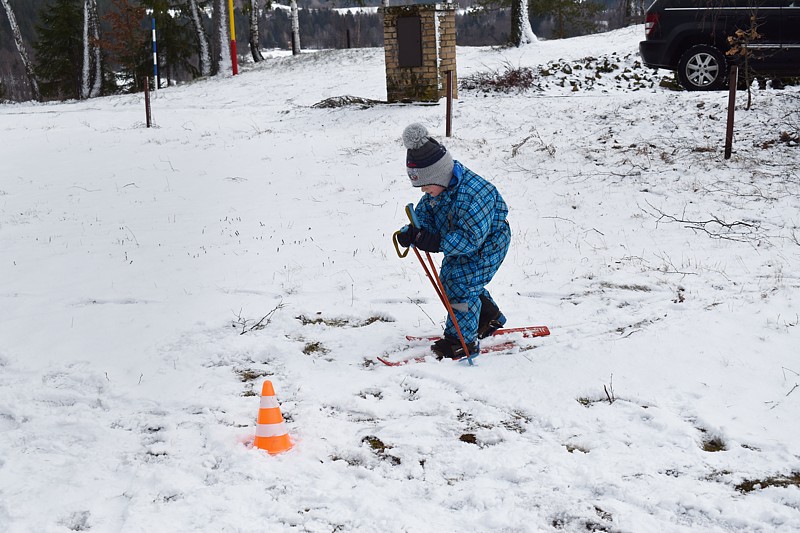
pixel 268 402
pixel 271 430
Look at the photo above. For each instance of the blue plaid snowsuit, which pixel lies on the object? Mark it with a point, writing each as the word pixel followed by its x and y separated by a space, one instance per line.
pixel 470 217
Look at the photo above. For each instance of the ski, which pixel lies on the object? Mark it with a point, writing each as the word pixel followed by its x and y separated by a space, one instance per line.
pixel 421 358
pixel 527 332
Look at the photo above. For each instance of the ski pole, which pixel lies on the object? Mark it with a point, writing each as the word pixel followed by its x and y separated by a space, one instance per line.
pixel 414 222
pixel 437 285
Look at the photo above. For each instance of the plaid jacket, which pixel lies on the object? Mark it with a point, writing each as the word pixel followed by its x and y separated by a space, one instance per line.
pixel 470 215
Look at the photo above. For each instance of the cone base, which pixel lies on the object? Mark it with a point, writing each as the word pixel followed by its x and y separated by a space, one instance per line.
pixel 273 445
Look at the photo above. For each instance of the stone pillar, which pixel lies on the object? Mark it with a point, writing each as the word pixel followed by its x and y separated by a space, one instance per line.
pixel 420 47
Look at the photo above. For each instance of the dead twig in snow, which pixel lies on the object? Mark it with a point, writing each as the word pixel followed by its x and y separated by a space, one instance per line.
pixel 610 391
pixel 738 231
pixel 248 325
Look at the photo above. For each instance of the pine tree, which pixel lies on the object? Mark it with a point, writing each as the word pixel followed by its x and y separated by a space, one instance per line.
pixel 129 47
pixel 570 17
pixel 521 32
pixel 176 41
pixel 59 50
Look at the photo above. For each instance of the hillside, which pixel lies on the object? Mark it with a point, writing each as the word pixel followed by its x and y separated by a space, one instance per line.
pixel 136 263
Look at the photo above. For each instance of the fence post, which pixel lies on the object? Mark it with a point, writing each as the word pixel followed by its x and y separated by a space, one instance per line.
pixel 449 121
pixel 734 79
pixel 147 99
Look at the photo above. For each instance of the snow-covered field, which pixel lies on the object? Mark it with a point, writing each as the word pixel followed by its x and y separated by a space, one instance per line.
pixel 135 263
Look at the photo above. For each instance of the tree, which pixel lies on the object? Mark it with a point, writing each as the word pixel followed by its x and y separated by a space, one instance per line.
pixel 176 46
pixel 570 17
pixel 521 31
pixel 255 49
pixel 295 28
pixel 129 47
pixel 92 72
pixel 740 49
pixel 59 49
pixel 220 22
pixel 12 21
pixel 203 52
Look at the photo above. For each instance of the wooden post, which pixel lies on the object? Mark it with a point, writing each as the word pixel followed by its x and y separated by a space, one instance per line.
pixel 449 121
pixel 147 99
pixel 734 75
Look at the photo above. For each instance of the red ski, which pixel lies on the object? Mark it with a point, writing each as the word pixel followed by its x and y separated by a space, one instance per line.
pixel 421 358
pixel 527 332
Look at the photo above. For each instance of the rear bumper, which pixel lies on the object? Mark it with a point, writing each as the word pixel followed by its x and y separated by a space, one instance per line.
pixel 653 54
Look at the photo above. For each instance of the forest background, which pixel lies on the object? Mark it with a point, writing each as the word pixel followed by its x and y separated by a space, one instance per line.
pixel 51 29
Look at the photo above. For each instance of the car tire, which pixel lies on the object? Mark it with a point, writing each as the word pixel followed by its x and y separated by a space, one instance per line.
pixel 702 68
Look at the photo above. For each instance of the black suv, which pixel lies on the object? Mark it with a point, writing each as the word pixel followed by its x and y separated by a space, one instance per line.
pixel 691 37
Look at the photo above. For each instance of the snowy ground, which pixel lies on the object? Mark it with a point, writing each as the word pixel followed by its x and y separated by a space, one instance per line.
pixel 133 259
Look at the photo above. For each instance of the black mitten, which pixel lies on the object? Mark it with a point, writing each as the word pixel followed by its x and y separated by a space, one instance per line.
pixel 407 236
pixel 428 241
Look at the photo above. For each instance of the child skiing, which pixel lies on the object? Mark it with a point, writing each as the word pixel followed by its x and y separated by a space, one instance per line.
pixel 462 216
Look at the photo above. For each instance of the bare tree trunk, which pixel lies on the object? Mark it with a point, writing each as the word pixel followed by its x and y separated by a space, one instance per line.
pixel 255 49
pixel 521 31
pixel 12 20
pixel 202 39
pixel 85 72
pixel 225 64
pixel 97 86
pixel 295 29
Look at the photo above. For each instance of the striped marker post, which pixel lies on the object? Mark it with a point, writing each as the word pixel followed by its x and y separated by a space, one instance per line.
pixel 271 433
pixel 155 55
pixel 234 61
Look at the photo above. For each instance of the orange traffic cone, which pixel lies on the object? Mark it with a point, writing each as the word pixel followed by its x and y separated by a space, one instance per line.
pixel 271 434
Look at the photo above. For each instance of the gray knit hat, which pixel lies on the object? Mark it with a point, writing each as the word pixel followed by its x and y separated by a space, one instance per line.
pixel 427 161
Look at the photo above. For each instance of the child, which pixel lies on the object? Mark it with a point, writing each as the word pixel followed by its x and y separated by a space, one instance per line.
pixel 463 216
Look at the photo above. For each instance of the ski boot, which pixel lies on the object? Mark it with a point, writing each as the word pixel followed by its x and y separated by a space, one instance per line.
pixel 491 319
pixel 449 348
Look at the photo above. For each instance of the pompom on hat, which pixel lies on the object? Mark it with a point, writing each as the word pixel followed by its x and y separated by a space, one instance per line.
pixel 427 161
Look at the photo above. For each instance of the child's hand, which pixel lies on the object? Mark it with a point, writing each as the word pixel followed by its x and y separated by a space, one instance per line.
pixel 427 241
pixel 407 236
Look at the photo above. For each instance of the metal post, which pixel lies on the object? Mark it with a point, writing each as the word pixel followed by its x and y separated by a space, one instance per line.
pixel 449 121
pixel 234 62
pixel 147 99
pixel 734 75
pixel 155 55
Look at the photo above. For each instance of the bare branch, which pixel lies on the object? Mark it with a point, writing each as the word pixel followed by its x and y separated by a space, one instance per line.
pixel 248 325
pixel 714 227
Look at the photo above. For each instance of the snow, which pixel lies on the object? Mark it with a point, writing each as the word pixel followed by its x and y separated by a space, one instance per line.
pixel 133 260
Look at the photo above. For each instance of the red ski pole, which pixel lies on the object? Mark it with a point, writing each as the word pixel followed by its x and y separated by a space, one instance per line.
pixel 436 281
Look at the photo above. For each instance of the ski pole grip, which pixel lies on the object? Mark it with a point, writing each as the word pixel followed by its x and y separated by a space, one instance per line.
pixel 412 216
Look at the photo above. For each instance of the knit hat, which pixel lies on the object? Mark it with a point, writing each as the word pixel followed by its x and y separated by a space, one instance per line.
pixel 427 161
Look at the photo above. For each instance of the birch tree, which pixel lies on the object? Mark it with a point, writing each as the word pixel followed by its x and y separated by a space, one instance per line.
pixel 255 49
pixel 92 73
pixel 295 29
pixel 23 54
pixel 225 64
pixel 204 53
pixel 97 84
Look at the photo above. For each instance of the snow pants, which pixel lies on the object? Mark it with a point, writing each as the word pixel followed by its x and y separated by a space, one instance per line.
pixel 465 277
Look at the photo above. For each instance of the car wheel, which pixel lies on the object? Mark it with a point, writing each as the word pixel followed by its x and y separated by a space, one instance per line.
pixel 702 68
